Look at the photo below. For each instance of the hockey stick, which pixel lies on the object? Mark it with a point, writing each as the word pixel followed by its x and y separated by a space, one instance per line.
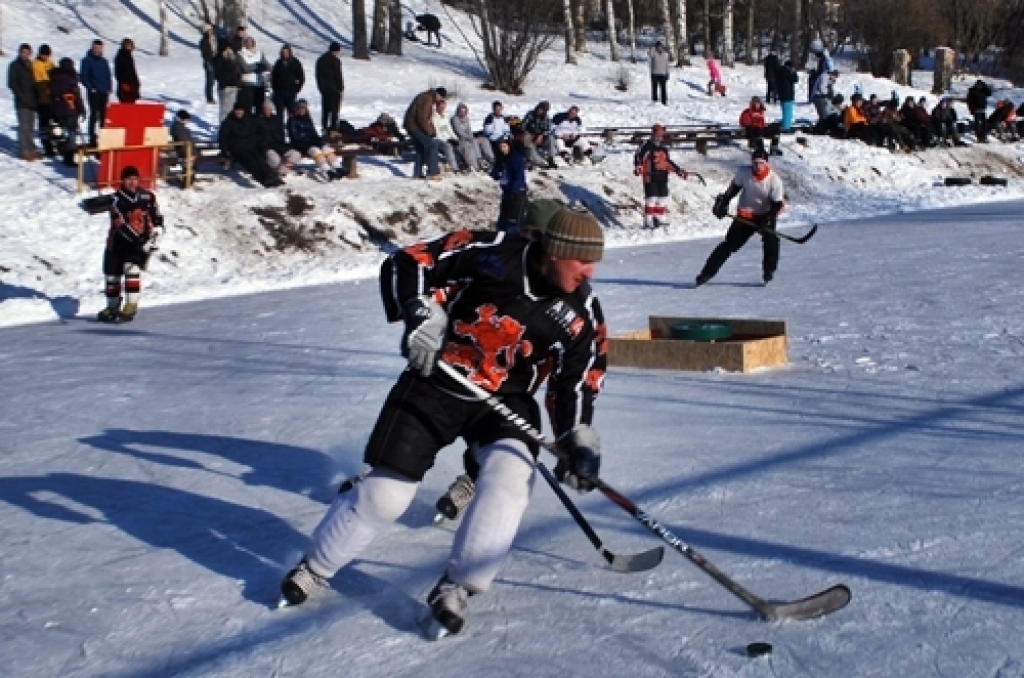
pixel 769 231
pixel 636 562
pixel 694 174
pixel 821 603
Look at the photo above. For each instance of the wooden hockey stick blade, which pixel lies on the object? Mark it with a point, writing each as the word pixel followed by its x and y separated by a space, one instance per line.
pixel 818 605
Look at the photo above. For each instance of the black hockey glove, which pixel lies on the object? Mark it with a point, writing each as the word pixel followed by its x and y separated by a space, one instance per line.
pixel 584 450
pixel 721 207
pixel 425 325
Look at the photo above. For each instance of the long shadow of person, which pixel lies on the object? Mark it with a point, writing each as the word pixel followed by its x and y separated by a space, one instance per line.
pixel 63 306
pixel 301 470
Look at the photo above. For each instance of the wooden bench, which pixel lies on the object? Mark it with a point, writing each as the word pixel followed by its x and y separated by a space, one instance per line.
pixel 699 136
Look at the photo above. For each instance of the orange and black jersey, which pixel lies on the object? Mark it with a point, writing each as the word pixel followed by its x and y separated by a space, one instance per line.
pixel 508 327
pixel 654 162
pixel 132 217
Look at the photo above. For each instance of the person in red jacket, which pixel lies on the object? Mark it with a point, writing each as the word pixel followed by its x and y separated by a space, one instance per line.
pixel 754 123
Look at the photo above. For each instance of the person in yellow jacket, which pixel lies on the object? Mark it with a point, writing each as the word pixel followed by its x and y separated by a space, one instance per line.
pixel 41 67
pixel 855 122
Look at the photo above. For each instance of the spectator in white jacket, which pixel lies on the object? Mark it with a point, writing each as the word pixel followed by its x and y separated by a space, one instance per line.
pixel 445 136
pixel 658 60
pixel 254 80
pixel 496 129
pixel 569 135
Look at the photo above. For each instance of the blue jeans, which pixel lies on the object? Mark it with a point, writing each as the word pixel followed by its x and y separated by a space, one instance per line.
pixel 425 146
pixel 787 115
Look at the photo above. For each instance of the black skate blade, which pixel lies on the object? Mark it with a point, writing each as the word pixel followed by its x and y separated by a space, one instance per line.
pixel 447 508
pixel 435 629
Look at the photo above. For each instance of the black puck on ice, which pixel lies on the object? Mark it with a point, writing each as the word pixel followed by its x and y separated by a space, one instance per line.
pixel 759 649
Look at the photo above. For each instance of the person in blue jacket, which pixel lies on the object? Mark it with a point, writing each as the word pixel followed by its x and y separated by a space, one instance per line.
pixel 95 77
pixel 511 176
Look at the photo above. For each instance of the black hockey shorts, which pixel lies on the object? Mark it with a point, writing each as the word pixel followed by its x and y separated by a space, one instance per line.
pixel 656 188
pixel 421 416
pixel 120 253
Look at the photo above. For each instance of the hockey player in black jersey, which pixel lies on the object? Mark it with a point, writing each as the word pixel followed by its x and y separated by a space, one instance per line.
pixel 653 164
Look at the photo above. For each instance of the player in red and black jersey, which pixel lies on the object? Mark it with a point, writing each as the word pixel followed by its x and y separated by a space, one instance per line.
pixel 653 165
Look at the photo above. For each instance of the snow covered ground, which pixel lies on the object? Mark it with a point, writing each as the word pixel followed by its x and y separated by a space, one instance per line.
pixel 157 479
pixel 221 235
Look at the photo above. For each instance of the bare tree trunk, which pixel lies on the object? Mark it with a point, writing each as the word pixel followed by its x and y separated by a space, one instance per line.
pixel 236 13
pixel 379 37
pixel 708 47
pixel 395 28
pixel 750 35
pixel 360 47
pixel 632 31
pixel 666 27
pixel 794 40
pixel 165 48
pixel 581 26
pixel 728 51
pixel 570 54
pixel 682 49
pixel 613 35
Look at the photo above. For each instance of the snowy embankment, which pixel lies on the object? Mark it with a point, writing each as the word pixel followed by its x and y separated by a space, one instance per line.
pixel 227 236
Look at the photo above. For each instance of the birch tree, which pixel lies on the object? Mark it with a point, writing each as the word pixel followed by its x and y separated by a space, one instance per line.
pixel 683 49
pixel 581 26
pixel 666 27
pixel 728 51
pixel 632 31
pixel 165 48
pixel 379 36
pixel 570 52
pixel 613 35
pixel 395 28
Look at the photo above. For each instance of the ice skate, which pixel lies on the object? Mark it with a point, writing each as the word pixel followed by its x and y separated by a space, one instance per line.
pixel 457 498
pixel 299 584
pixel 447 602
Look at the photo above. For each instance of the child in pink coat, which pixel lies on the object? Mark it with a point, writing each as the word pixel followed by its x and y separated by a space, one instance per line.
pixel 715 86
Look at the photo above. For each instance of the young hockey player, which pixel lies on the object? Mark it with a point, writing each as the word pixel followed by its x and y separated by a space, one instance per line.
pixel 520 303
pixel 134 218
pixel 511 175
pixel 653 164
pixel 762 197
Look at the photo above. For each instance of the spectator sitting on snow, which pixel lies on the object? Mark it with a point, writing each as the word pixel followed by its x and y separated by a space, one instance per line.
pixel 753 122
pixel 855 122
pixel 894 133
pixel 280 156
pixel 832 122
pixel 303 137
pixel 569 135
pixel 181 134
pixel 1003 119
pixel 475 150
pixel 537 133
pixel 495 127
pixel 944 123
pixel 382 130
pixel 925 131
pixel 446 139
pixel 240 138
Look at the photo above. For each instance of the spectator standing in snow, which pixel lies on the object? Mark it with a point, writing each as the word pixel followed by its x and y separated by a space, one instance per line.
pixel 42 67
pixel 208 50
pixel 475 150
pixel 67 106
pixel 23 89
pixel 569 136
pixel 977 104
pixel 254 79
pixel 653 164
pixel 134 220
pixel 823 92
pixel 419 123
pixel 762 197
pixel 237 41
pixel 658 61
pixel 522 303
pixel 98 82
pixel 229 80
pixel 129 88
pixel 512 177
pixel 432 25
pixel 286 79
pixel 771 78
pixel 785 82
pixel 331 83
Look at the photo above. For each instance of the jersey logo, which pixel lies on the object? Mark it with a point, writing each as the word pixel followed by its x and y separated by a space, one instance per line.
pixel 495 341
pixel 566 317
pixel 457 240
pixel 420 254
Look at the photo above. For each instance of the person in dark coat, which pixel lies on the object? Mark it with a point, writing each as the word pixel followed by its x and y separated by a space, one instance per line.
pixel 331 83
pixel 977 104
pixel 128 85
pixel 23 88
pixel 432 25
pixel 66 106
pixel 771 73
pixel 229 80
pixel 286 79
pixel 238 40
pixel 240 138
pixel 180 133
pixel 785 89
pixel 96 78
pixel 280 156
pixel 209 49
